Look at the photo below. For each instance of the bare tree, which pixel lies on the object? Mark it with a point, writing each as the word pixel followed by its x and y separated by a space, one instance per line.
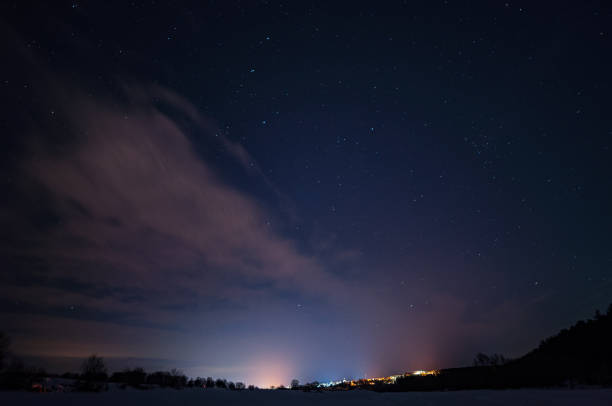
pixel 94 369
pixel 93 375
pixel 5 343
pixel 482 360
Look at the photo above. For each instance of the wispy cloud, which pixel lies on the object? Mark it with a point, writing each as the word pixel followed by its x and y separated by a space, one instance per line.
pixel 136 208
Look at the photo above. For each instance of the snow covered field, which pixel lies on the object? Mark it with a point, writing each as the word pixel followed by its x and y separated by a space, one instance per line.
pixel 189 397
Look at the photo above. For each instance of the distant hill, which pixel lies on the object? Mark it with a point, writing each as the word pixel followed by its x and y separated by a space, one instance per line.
pixel 581 354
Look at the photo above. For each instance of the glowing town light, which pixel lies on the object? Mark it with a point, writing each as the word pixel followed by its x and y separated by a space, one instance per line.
pixel 373 381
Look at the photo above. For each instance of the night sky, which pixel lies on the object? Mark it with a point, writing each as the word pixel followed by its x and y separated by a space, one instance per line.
pixel 262 190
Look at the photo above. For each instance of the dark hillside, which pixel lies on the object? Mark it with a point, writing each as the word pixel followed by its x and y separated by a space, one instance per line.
pixel 581 354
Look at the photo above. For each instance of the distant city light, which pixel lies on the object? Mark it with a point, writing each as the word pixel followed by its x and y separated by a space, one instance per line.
pixel 372 381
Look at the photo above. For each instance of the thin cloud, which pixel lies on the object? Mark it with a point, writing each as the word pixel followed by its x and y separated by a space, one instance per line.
pixel 139 208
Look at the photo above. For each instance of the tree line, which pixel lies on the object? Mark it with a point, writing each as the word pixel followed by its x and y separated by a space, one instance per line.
pixel 94 377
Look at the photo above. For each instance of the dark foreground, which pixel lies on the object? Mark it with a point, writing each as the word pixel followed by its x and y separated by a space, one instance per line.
pixel 187 397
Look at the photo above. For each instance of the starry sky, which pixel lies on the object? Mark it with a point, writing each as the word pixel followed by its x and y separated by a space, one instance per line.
pixel 263 190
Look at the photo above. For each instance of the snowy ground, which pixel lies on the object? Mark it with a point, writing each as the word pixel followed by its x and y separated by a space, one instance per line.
pixel 189 397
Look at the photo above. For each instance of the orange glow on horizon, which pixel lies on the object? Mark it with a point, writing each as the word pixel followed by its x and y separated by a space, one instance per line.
pixel 274 371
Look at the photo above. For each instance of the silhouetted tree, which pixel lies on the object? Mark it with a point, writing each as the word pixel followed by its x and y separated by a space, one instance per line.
pixel 251 387
pixel 199 382
pixel 240 386
pixel 5 343
pixel 177 378
pixel 221 383
pixel 481 360
pixel 231 385
pixel 94 369
pixel 210 383
pixel 94 374
pixel 295 384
